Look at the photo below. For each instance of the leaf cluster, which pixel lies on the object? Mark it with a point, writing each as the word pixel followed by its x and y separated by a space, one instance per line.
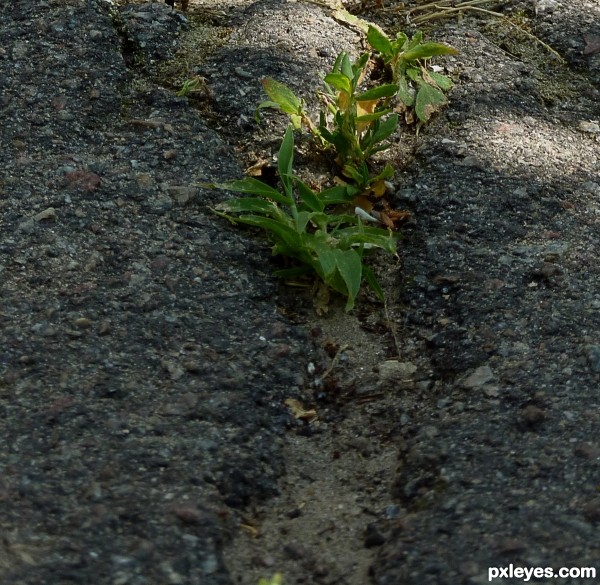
pixel 303 226
pixel 357 122
pixel 419 87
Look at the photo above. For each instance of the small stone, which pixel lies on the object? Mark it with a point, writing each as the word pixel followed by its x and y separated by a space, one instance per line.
pixel 478 378
pixel 532 416
pixel 593 356
pixel 159 264
pixel 591 511
pixel 188 515
pixel 587 451
pixel 83 180
pixel 192 366
pixel 169 154
pixel 83 323
pixel 182 195
pixel 393 370
pixel 175 370
pixel 294 551
pixel 46 215
pixel 547 270
pixel 511 545
pixel 104 328
pixel 589 127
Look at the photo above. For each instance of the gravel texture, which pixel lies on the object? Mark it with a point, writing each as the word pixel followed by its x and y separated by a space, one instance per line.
pixel 146 351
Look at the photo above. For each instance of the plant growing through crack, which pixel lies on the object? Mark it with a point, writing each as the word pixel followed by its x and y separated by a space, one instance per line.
pixel 418 85
pixel 305 227
pixel 354 123
pixel 358 123
pixel 312 228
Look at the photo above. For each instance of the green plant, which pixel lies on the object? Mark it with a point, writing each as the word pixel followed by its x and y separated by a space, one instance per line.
pixel 358 124
pixel 284 99
pixel 192 85
pixel 418 86
pixel 305 227
pixel 354 123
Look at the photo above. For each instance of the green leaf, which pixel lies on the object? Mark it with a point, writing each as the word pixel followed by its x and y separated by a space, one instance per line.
pixel 385 129
pixel 338 195
pixel 440 80
pixel 415 41
pixel 263 105
pixel 379 41
pixel 349 264
pixel 346 67
pixel 369 276
pixel 405 93
pixel 358 69
pixel 327 263
pixel 401 42
pixel 373 237
pixel 282 95
pixel 309 197
pixel 381 91
pixel 254 187
pixel 371 117
pixel 428 100
pixel 339 82
pixel 427 50
pixel 285 161
pixel 250 205
pixel 360 175
pixel 387 173
pixel 286 235
pixel 302 220
pixel 414 73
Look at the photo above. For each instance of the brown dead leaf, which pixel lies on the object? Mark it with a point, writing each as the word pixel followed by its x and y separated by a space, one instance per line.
pixel 256 170
pixel 363 108
pixel 363 202
pixel 298 411
pixel 394 218
pixel 252 530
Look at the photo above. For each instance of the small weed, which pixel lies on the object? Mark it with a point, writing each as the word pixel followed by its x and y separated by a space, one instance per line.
pixel 354 123
pixel 193 85
pixel 357 123
pixel 418 86
pixel 305 227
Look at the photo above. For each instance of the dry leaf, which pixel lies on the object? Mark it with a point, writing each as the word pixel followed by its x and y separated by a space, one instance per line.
pixel 256 170
pixel 252 530
pixel 298 411
pixel 363 108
